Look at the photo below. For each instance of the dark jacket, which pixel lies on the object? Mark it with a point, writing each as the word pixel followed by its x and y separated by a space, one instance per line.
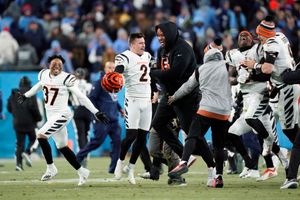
pixel 105 101
pixel 180 58
pixel 291 77
pixel 26 115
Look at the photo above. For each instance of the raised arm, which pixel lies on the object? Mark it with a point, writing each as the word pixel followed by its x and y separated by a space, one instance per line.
pixel 37 87
pixel 83 99
pixel 100 116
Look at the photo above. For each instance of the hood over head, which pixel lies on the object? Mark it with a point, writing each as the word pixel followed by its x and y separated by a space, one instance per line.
pixel 213 55
pixel 171 34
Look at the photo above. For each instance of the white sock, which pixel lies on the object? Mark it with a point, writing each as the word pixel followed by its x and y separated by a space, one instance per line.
pixel 50 166
pixel 131 166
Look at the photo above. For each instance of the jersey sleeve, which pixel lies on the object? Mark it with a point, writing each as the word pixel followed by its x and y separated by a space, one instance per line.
pixel 69 81
pixel 41 73
pixel 121 59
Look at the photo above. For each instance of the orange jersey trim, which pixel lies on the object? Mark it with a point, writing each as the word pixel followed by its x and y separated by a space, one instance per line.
pixel 213 115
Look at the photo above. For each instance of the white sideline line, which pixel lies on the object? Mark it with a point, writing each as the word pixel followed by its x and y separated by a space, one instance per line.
pixel 92 180
pixel 75 180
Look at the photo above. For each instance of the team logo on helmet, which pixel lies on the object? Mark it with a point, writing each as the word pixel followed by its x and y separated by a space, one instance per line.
pixel 112 82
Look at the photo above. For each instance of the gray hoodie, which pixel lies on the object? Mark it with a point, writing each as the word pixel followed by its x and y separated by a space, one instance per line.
pixel 213 81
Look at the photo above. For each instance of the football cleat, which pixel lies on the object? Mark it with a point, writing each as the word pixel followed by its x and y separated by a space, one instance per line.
pixel 290 184
pixel 191 161
pixel 83 175
pixel 211 177
pixel 118 169
pixel 27 159
pixel 218 182
pixel 130 175
pixel 49 174
pixel 180 169
pixel 268 173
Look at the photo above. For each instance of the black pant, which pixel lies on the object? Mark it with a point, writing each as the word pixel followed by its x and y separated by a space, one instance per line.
pixel 20 144
pixel 295 158
pixel 199 127
pixel 184 109
pixel 83 127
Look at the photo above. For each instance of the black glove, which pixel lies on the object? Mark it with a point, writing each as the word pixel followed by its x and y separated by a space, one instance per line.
pixel 21 98
pixel 274 91
pixel 101 116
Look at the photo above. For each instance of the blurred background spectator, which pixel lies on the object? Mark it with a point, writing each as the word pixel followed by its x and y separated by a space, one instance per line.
pixel 25 118
pixel 89 30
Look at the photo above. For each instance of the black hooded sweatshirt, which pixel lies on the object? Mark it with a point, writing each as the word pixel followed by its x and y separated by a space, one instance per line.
pixel 27 114
pixel 176 62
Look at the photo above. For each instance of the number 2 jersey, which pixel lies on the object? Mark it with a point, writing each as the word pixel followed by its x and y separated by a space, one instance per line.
pixel 136 73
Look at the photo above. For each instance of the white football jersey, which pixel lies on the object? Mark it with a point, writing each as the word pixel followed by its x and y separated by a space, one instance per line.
pixel 55 89
pixel 279 44
pixel 136 73
pixel 234 57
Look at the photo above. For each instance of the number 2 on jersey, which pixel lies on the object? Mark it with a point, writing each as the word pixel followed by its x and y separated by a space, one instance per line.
pixel 144 69
pixel 46 92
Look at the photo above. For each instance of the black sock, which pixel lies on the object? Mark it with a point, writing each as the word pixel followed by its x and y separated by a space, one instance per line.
pixel 46 148
pixel 219 158
pixel 126 143
pixel 138 145
pixel 70 156
pixel 269 161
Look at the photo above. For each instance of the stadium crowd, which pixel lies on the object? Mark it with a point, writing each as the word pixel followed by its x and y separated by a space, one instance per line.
pixel 90 33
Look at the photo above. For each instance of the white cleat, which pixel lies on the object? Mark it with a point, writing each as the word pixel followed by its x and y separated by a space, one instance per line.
pixel 191 160
pixel 49 174
pixel 83 175
pixel 118 169
pixel 27 159
pixel 211 177
pixel 131 178
pixel 268 173
pixel 244 172
pixel 145 175
pixel 252 173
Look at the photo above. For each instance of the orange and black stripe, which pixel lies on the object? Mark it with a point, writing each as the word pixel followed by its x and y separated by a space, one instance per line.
pixel 266 29
pixel 112 82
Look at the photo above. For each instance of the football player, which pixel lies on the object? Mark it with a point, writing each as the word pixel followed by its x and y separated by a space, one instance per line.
pixel 278 58
pixel 134 65
pixel 56 85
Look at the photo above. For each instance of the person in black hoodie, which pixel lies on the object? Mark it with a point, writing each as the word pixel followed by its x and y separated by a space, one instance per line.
pixel 25 118
pixel 176 62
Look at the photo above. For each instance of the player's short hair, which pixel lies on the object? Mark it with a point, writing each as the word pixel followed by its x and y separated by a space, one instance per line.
pixel 50 58
pixel 134 36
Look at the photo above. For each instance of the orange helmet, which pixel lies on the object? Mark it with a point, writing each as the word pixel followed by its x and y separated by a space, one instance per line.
pixel 112 82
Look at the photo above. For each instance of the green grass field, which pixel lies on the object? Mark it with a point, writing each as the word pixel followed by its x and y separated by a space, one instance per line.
pixel 26 185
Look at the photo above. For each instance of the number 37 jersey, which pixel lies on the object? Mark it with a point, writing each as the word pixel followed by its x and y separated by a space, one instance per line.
pixel 55 89
pixel 136 73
